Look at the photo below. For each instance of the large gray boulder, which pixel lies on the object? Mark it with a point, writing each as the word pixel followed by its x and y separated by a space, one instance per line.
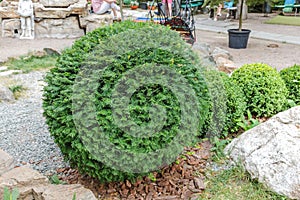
pixel 270 152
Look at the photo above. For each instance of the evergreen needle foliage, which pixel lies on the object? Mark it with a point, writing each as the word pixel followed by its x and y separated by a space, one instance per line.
pixel 108 55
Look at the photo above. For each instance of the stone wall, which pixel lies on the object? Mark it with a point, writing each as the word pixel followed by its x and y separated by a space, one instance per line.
pixel 53 18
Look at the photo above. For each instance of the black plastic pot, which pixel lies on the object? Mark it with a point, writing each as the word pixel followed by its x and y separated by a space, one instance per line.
pixel 238 39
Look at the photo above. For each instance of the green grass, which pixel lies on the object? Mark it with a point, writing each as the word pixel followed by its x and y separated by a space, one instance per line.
pixel 235 183
pixel 54 179
pixel 17 90
pixel 284 20
pixel 31 63
pixel 10 195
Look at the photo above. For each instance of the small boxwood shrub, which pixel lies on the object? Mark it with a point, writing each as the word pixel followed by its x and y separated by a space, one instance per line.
pixel 229 103
pixel 291 77
pixel 235 104
pixel 264 89
pixel 216 121
pixel 121 48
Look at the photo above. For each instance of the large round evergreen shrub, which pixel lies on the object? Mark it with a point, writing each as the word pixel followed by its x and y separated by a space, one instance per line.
pixel 291 77
pixel 113 87
pixel 264 89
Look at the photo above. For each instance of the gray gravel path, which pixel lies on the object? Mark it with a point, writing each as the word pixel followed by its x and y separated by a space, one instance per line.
pixel 23 131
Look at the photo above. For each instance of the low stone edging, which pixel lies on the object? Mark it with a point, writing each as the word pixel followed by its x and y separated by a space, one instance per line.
pixel 33 185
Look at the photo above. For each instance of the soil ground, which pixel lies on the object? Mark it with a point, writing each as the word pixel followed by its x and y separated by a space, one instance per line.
pixel 14 47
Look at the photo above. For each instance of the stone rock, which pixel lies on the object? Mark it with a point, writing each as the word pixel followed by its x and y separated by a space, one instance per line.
pixel 225 65
pixel 273 45
pixel 219 52
pixel 204 52
pixel 3 68
pixel 57 3
pixel 53 18
pixel 45 28
pixel 9 72
pixel 173 197
pixel 3 3
pixel 93 21
pixel 54 192
pixel 199 183
pixel 218 58
pixel 6 162
pixel 9 12
pixel 23 178
pixel 32 185
pixel 79 7
pixel 37 53
pixel 270 152
pixel 12 1
pixel 11 28
pixel 223 60
pixel 5 95
pixel 8 9
pixel 58 28
pixel 51 51
pixel 203 48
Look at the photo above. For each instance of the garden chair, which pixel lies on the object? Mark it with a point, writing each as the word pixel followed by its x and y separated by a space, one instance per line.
pixel 231 10
pixel 288 6
pixel 193 4
pixel 182 21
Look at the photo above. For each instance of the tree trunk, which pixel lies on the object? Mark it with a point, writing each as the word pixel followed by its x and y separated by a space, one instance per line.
pixel 121 9
pixel 245 10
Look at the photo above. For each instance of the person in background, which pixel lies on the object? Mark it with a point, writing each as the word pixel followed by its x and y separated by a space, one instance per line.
pixel 219 9
pixel 168 7
pixel 102 6
pixel 226 4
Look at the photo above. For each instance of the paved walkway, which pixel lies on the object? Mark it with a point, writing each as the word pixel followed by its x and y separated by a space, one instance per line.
pixel 279 33
pixel 255 22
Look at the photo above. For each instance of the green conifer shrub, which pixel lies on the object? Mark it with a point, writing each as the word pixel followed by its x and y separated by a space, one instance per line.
pixel 102 61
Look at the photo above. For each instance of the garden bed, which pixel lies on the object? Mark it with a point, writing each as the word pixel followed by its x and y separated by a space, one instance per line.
pixel 183 179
